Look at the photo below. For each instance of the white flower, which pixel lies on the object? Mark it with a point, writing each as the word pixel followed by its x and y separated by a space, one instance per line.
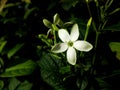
pixel 71 44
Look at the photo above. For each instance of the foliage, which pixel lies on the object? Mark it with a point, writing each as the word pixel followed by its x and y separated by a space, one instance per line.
pixel 29 30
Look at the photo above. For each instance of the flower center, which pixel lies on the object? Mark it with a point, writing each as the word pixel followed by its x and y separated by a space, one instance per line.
pixel 70 44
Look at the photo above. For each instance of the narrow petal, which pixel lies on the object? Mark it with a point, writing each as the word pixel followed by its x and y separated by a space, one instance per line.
pixel 83 46
pixel 60 47
pixel 74 33
pixel 71 55
pixel 64 35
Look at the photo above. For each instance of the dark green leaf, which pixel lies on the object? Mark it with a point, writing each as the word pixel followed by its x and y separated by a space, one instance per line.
pixel 25 68
pixel 2 44
pixel 50 70
pixel 13 84
pixel 14 50
pixel 11 5
pixel 65 69
pixel 115 27
pixel 82 83
pixel 67 4
pixel 25 86
pixel 28 12
pixel 103 84
pixel 1 84
pixel 114 11
pixel 115 47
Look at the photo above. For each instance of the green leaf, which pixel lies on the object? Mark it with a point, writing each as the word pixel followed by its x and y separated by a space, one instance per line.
pixel 14 50
pixel 64 70
pixel 47 23
pixel 49 66
pixel 28 12
pixel 57 20
pixel 2 44
pixel 103 84
pixel 27 1
pixel 67 4
pixel 115 47
pixel 11 5
pixel 25 86
pixel 1 84
pixel 6 20
pixel 114 11
pixel 13 84
pixel 25 68
pixel 82 83
pixel 115 27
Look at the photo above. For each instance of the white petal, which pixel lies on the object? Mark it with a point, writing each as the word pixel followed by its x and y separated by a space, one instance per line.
pixel 64 35
pixel 74 33
pixel 71 55
pixel 83 46
pixel 60 47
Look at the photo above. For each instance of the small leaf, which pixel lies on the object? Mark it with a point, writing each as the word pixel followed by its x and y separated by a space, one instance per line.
pixel 115 27
pixel 47 23
pixel 13 84
pixel 12 4
pixel 25 86
pixel 118 55
pixel 115 47
pixel 1 85
pixel 114 11
pixel 25 68
pixel 2 44
pixel 103 84
pixel 64 70
pixel 57 20
pixel 14 50
pixel 28 12
pixel 82 83
pixel 26 1
pixel 6 20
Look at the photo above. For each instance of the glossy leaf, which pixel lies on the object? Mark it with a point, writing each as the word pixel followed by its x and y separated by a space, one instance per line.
pixel 49 66
pixel 2 44
pixel 14 50
pixel 115 47
pixel 25 86
pixel 13 84
pixel 47 23
pixel 25 68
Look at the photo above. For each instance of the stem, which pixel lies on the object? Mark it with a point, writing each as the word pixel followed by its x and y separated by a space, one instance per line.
pixel 54 33
pixel 96 38
pixel 94 56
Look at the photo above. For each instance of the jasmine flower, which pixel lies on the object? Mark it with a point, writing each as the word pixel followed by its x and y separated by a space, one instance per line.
pixel 70 43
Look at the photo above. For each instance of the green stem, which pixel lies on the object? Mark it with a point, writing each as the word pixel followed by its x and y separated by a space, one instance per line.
pixel 96 38
pixel 94 56
pixel 54 33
